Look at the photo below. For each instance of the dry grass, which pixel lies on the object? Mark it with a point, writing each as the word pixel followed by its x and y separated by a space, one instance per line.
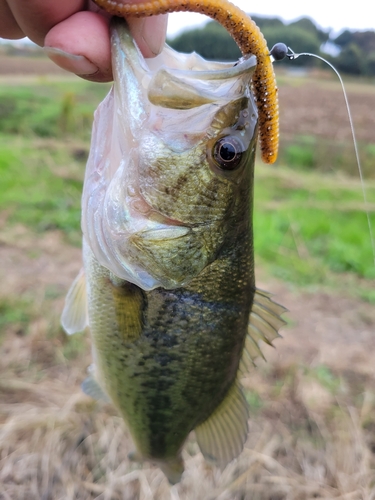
pixel 312 429
pixel 312 426
pixel 313 106
pixel 55 443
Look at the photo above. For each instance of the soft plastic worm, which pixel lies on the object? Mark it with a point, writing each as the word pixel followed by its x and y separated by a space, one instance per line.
pixel 250 41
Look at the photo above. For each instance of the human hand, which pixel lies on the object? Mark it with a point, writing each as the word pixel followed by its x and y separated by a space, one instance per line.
pixel 75 33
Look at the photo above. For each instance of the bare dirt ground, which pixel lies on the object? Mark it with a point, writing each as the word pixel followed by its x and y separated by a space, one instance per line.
pixel 312 425
pixel 303 109
pixel 326 328
pixel 23 66
pixel 307 438
pixel 311 105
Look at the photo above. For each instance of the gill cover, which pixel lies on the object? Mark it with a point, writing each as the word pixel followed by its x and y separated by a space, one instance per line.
pixel 165 108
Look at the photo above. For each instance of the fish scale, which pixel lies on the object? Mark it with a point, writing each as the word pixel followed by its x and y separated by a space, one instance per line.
pixel 207 320
pixel 167 291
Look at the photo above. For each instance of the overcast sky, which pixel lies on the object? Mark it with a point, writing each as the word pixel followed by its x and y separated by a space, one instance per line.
pixel 326 13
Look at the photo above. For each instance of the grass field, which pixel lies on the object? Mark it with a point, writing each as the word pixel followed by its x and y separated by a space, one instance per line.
pixel 312 426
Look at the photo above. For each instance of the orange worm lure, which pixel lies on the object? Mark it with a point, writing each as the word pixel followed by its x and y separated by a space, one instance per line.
pixel 248 38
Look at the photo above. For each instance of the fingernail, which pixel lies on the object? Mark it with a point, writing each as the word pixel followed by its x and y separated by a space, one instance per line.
pixel 77 64
pixel 153 33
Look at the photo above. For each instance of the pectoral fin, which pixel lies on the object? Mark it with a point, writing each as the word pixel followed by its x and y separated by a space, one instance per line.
pixel 222 436
pixel 74 317
pixel 265 321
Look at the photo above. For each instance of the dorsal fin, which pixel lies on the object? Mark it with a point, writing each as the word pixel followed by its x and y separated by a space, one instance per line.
pixel 74 317
pixel 265 321
pixel 222 436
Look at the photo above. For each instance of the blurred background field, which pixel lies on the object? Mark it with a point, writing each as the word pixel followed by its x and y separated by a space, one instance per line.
pixel 312 427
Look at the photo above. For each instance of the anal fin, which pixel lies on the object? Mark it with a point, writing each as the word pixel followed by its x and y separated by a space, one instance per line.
pixel 222 436
pixel 74 317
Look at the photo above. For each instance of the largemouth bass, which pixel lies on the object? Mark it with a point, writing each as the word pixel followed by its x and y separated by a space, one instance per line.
pixel 168 287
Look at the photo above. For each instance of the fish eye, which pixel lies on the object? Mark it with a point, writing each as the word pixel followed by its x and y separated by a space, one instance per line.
pixel 227 152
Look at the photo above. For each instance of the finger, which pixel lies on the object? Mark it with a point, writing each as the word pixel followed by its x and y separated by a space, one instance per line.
pixel 81 44
pixel 36 17
pixel 8 25
pixel 149 33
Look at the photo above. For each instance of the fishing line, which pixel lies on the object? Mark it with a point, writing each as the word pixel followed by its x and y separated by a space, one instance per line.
pixel 278 52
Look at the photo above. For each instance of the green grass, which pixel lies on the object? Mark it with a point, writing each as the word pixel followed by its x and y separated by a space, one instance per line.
pixel 254 401
pixel 305 225
pixel 49 109
pixel 323 374
pixel 17 313
pixel 308 225
pixel 34 192
pixel 308 153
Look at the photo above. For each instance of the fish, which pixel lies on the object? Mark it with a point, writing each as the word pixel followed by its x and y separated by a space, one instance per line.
pixel 167 287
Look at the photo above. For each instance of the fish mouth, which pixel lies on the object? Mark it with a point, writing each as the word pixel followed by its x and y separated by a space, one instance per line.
pixel 131 233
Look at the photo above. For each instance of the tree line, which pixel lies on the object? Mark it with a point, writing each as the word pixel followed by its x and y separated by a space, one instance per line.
pixel 355 50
